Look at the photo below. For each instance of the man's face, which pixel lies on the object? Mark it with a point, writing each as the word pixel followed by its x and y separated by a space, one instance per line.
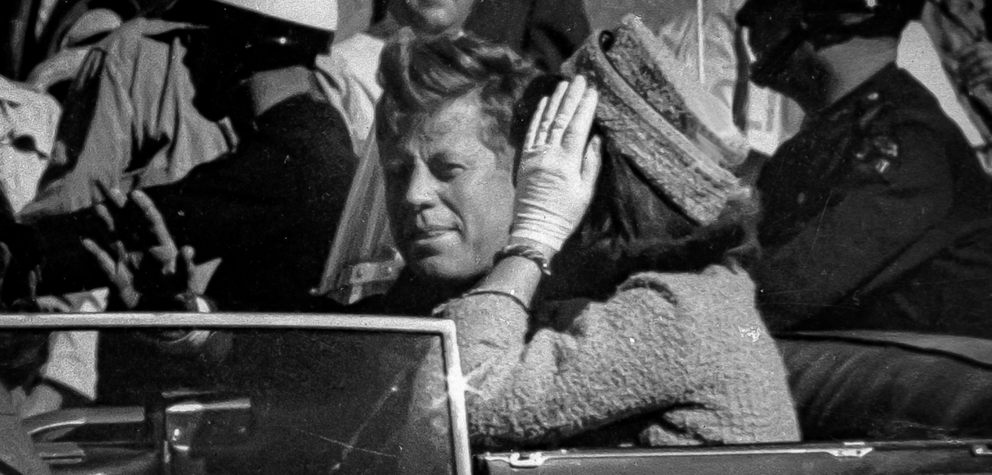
pixel 214 71
pixel 431 16
pixel 449 196
pixel 799 73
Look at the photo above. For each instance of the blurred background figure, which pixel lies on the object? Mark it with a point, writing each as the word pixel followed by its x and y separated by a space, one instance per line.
pixel 959 34
pixel 36 67
pixel 34 31
pixel 46 45
pixel 704 47
pixel 28 120
pixel 947 49
pixel 208 84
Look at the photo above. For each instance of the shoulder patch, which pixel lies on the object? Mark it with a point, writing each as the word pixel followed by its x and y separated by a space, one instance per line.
pixel 873 147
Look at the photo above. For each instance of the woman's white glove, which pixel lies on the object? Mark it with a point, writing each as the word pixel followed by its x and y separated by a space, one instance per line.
pixel 557 169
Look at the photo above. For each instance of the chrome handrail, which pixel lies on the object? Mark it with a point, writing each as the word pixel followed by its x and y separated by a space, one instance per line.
pixel 72 418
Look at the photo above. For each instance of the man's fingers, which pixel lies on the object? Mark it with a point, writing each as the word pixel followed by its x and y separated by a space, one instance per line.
pixel 154 217
pixel 548 117
pixel 984 77
pixel 186 267
pixel 6 258
pixel 165 257
pixel 978 61
pixel 535 122
pixel 188 254
pixel 107 264
pixel 577 133
pixel 569 104
pixel 104 214
pixel 117 272
pixel 968 63
pixel 112 195
pixel 121 255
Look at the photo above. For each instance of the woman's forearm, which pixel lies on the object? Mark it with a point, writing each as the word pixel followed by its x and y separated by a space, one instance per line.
pixel 516 276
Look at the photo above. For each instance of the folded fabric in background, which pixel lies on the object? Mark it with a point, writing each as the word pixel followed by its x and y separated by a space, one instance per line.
pixel 28 121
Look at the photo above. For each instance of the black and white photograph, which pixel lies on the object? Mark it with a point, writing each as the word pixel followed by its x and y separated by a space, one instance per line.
pixel 495 237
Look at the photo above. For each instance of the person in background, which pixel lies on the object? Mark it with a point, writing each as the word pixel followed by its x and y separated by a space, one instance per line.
pixel 959 35
pixel 22 352
pixel 876 215
pixel 279 196
pixel 28 119
pixel 707 56
pixel 546 32
pixel 29 115
pixel 128 121
pixel 876 232
pixel 33 31
pixel 269 207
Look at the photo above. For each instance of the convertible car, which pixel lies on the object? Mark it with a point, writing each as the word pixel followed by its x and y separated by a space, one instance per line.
pixel 230 394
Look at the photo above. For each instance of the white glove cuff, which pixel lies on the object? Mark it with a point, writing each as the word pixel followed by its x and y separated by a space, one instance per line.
pixel 545 228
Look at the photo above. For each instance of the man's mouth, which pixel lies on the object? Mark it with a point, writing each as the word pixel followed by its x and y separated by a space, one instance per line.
pixel 427 233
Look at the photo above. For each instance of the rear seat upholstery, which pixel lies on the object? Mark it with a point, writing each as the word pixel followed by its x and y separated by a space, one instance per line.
pixel 865 385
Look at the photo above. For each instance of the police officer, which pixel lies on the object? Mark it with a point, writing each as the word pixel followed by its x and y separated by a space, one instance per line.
pixel 267 208
pixel 876 215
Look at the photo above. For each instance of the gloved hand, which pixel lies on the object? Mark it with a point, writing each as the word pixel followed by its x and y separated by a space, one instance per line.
pixel 558 170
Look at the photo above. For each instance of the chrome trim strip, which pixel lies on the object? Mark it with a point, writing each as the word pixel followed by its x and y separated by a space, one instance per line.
pixel 456 395
pixel 79 417
pixel 226 320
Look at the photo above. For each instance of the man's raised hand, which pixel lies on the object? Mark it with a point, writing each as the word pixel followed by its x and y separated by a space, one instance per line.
pixel 142 263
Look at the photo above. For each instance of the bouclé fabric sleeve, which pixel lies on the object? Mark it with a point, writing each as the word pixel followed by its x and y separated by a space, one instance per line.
pixel 685 357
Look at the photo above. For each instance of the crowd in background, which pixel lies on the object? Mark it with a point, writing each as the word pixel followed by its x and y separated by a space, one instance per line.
pixel 606 204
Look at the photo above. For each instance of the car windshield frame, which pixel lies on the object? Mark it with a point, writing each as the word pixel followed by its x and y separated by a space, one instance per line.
pixel 445 329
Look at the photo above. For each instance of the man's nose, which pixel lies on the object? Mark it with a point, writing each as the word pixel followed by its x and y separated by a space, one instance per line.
pixel 421 191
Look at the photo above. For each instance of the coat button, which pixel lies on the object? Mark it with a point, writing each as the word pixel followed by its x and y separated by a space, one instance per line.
pixel 801 198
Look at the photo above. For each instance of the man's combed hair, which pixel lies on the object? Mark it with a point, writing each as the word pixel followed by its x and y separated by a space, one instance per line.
pixel 420 74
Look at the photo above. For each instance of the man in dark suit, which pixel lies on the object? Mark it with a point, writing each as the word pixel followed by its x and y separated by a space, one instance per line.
pixel 876 215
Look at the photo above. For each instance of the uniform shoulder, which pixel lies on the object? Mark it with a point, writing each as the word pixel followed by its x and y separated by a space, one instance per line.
pixel 889 111
pixel 900 99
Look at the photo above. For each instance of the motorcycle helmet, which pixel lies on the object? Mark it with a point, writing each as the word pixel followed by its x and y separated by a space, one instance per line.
pixel 822 23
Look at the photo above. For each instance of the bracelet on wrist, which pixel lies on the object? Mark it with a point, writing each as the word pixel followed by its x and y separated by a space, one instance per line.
pixel 499 293
pixel 527 252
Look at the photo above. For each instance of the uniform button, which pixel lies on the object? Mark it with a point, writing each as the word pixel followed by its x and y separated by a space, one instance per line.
pixel 882 166
pixel 801 198
pixel 873 96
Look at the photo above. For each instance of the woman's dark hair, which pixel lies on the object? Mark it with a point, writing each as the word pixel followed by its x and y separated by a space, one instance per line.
pixel 631 228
